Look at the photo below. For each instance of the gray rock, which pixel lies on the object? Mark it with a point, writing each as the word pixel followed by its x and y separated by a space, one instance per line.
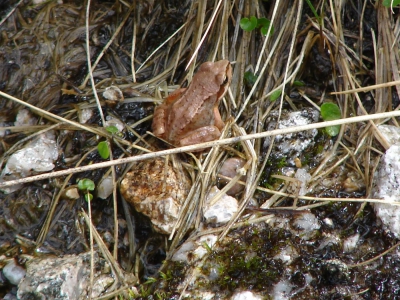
pixel 57 278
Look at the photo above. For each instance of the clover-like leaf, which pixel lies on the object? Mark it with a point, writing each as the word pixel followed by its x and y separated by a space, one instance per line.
pixel 265 24
pixel 86 184
pixel 250 78
pixel 248 24
pixel 330 111
pixel 332 130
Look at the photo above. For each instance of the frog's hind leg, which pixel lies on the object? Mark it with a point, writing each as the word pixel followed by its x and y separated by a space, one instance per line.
pixel 200 135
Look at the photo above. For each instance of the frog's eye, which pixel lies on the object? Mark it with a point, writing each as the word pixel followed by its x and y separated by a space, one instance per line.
pixel 225 80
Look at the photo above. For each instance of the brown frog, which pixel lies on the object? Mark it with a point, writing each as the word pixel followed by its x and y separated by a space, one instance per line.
pixel 190 115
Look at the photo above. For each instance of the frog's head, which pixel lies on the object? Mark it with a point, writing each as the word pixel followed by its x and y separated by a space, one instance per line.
pixel 216 76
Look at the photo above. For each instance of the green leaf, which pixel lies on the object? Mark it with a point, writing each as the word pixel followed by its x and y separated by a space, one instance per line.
pixel 275 95
pixel 265 24
pixel 330 111
pixel 314 11
pixel 248 24
pixel 86 184
pixel 112 129
pixel 163 276
pixel 88 197
pixel 388 3
pixel 207 247
pixel 250 78
pixel 332 130
pixel 103 150
pixel 150 280
pixel 298 83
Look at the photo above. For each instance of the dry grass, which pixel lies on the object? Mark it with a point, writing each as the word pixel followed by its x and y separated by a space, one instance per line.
pixel 211 32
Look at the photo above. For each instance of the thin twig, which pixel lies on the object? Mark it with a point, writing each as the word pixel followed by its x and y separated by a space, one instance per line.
pixel 204 145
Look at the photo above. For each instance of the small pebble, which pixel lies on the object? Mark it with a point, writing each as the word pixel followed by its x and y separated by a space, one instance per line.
pixel 229 169
pixel 13 272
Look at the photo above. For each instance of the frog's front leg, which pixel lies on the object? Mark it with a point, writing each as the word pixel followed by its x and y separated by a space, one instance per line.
pixel 200 135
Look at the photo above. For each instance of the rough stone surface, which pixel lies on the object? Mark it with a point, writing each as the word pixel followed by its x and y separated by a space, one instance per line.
pixel 221 210
pixel 246 295
pixel 156 190
pixel 37 156
pixel 291 146
pixel 387 186
pixel 193 250
pixel 387 181
pixel 390 133
pixel 65 278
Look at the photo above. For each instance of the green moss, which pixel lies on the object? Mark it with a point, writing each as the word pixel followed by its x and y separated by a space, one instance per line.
pixel 163 286
pixel 247 261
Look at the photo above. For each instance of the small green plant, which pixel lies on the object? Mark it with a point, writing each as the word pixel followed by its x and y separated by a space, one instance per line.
pixel 250 78
pixel 298 83
pixel 86 185
pixel 207 247
pixel 391 3
pixel 166 276
pixel 112 129
pixel 314 11
pixel 103 150
pixel 282 163
pixel 275 95
pixel 330 111
pixel 150 280
pixel 249 24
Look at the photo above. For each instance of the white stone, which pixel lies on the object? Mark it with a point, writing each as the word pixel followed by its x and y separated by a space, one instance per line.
pixel 84 115
pixel 115 122
pixel 221 210
pixel 71 193
pixel 113 93
pixel 191 250
pixel 328 240
pixel 64 278
pixel 281 290
pixel 387 186
pixel 287 255
pixel 350 243
pixel 390 133
pixel 24 117
pixel 13 272
pixel 105 187
pixel 308 225
pixel 37 156
pixel 246 295
pixel 303 177
pixel 328 222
